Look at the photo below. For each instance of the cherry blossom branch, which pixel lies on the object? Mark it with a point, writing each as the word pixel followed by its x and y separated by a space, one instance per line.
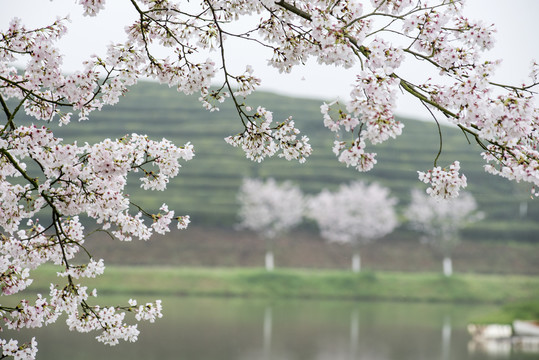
pixel 289 7
pixel 439 133
pixel 410 88
pixel 11 115
pixel 243 116
pixel 32 93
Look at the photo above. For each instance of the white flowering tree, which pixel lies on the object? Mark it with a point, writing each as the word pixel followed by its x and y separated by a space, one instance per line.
pixel 356 213
pixel 269 209
pixel 41 177
pixel 441 221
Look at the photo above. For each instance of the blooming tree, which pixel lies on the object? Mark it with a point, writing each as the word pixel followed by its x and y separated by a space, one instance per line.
pixel 356 213
pixel 46 185
pixel 441 221
pixel 270 209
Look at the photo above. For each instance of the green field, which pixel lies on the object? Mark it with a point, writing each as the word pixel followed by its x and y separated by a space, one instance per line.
pixel 306 284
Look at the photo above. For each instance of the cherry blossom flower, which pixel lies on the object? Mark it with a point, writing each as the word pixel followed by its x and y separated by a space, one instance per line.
pixel 444 183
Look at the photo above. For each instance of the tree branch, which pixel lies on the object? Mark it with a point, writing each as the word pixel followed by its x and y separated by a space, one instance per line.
pixel 294 9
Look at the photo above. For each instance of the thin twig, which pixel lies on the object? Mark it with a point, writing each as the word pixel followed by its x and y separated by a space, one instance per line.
pixel 439 133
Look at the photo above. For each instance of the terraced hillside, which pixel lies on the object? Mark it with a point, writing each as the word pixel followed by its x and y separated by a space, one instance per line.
pixel 206 188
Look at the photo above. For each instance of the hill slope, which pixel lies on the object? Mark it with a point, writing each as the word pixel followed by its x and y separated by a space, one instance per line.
pixel 207 185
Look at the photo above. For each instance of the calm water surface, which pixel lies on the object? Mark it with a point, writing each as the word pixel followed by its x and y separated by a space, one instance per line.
pixel 238 329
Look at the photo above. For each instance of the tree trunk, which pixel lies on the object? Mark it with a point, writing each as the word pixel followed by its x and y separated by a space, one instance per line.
pixel 356 262
pixel 448 266
pixel 269 260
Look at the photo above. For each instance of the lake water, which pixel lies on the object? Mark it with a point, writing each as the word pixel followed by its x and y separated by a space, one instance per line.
pixel 244 329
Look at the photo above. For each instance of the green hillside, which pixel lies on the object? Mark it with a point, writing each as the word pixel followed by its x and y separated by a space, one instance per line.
pixel 207 185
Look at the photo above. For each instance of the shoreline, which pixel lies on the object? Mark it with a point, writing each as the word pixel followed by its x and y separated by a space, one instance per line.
pixel 303 284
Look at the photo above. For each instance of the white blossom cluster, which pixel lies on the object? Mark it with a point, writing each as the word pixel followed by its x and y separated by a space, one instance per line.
pixel 260 140
pixel 355 213
pixel 19 352
pixel 503 119
pixel 86 179
pixel 269 208
pixel 41 174
pixel 80 316
pixel 76 180
pixel 444 183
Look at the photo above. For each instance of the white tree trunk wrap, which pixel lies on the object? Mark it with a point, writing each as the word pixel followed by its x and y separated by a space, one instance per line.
pixel 448 266
pixel 269 261
pixel 356 262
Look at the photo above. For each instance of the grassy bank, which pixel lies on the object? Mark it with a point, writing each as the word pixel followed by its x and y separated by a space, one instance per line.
pixel 523 310
pixel 315 284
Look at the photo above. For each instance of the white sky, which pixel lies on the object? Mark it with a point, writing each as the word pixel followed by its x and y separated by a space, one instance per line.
pixel 516 44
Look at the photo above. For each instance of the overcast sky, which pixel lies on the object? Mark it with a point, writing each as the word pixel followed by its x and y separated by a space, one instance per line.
pixel 516 43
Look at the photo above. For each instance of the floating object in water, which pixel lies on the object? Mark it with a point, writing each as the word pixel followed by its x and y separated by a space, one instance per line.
pixel 526 328
pixel 491 331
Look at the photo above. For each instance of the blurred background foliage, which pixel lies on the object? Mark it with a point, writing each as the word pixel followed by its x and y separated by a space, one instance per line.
pixel 506 241
pixel 207 186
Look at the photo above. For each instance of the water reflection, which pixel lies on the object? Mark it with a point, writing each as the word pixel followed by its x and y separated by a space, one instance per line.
pixel 354 333
pixel 241 329
pixel 496 349
pixel 267 333
pixel 446 338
